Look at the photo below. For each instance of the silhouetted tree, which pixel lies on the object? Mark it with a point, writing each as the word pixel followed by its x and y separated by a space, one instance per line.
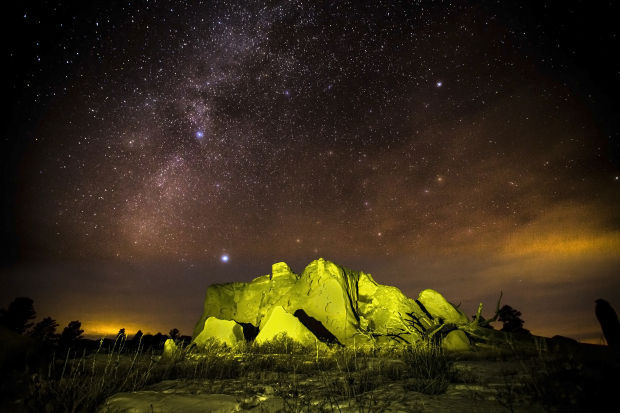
pixel 71 334
pixel 136 337
pixel 154 341
pixel 607 317
pixel 18 315
pixel 511 319
pixel 121 335
pixel 158 340
pixel 45 330
pixel 174 333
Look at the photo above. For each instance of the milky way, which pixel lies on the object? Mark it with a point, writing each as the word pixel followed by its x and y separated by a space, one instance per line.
pixel 422 140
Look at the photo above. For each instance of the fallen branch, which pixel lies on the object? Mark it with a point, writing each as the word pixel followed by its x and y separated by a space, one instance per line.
pixel 479 321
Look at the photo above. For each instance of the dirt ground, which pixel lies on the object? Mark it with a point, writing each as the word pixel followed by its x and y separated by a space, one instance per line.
pixel 481 386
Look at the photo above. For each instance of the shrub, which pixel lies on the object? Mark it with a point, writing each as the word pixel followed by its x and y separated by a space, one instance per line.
pixel 428 369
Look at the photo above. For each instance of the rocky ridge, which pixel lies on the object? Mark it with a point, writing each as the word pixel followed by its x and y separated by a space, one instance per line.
pixel 327 303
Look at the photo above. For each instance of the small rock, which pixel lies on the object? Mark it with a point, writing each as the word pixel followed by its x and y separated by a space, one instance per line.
pixel 456 340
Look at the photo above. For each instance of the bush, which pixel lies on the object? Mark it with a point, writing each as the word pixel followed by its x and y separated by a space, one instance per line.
pixel 282 344
pixel 428 369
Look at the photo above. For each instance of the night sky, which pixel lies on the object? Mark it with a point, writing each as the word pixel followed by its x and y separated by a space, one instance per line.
pixel 152 148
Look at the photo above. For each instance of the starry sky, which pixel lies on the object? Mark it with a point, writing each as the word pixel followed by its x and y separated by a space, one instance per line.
pixel 152 148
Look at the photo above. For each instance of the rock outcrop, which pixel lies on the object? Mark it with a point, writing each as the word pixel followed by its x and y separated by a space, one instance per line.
pixel 225 331
pixel 280 322
pixel 329 303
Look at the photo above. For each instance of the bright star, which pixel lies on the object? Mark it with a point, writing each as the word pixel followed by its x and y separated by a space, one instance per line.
pixel 439 83
pixel 200 134
pixel 224 258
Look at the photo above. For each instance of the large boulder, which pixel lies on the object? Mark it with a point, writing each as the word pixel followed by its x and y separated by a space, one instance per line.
pixel 440 308
pixel 385 310
pixel 279 322
pixel 333 303
pixel 328 293
pixel 226 332
pixel 247 302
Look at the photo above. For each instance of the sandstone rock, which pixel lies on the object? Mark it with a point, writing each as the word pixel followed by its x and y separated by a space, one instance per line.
pixel 440 308
pixel 456 340
pixel 328 293
pixel 325 291
pixel 281 269
pixel 382 307
pixel 280 322
pixel 171 351
pixel 225 331
pixel 247 302
pixel 332 302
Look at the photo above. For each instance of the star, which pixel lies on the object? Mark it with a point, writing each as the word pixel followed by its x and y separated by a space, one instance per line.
pixel 224 258
pixel 439 83
pixel 200 134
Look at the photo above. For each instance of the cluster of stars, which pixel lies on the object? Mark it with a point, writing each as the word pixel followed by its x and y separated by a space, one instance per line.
pixel 189 127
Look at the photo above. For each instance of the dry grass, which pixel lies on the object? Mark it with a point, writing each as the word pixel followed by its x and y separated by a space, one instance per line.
pixel 82 382
pixel 345 378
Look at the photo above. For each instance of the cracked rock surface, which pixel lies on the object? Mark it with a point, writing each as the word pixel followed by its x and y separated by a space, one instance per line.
pixel 350 305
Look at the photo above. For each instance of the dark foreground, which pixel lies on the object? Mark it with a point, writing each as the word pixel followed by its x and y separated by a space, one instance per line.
pixel 520 374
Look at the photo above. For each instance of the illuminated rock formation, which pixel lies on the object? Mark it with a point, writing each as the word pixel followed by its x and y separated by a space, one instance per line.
pixel 279 322
pixel 330 303
pixel 226 331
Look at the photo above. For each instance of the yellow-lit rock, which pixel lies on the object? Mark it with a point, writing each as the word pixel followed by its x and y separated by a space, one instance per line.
pixel 440 308
pixel 171 351
pixel 224 331
pixel 350 305
pixel 456 340
pixel 327 293
pixel 383 308
pixel 279 322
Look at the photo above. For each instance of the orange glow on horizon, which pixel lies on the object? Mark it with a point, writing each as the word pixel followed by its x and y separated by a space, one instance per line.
pixel 107 328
